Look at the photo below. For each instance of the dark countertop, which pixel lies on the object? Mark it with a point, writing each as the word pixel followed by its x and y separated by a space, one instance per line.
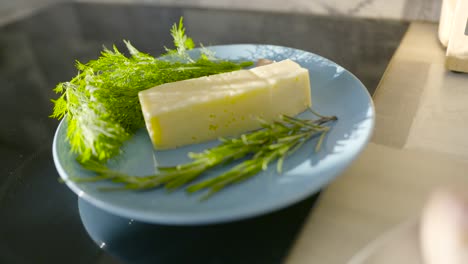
pixel 39 218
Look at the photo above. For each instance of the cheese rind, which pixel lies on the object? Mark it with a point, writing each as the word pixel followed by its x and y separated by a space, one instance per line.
pixel 227 104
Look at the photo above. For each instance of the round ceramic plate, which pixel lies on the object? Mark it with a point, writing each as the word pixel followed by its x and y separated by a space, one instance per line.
pixel 335 91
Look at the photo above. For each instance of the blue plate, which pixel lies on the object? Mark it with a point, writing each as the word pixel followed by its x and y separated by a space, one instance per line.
pixel 335 91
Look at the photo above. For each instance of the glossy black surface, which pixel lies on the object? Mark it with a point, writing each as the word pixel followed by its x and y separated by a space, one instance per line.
pixel 39 218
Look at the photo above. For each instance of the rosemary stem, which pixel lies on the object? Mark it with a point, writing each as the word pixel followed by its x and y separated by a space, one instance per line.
pixel 275 142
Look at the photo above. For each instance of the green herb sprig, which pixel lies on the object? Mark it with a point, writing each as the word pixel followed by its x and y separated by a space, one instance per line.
pixel 101 103
pixel 274 142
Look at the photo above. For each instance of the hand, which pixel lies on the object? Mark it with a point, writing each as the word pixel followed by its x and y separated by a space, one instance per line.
pixel 444 227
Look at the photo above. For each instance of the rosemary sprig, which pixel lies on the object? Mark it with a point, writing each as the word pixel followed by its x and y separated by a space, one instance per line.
pixel 274 142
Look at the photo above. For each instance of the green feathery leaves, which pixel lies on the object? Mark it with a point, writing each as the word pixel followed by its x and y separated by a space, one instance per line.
pixel 101 103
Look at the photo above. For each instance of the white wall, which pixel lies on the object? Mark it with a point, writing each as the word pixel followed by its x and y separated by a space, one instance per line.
pixel 422 10
pixel 425 10
pixel 14 9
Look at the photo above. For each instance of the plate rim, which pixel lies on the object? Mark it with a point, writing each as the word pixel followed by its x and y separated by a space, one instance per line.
pixel 190 219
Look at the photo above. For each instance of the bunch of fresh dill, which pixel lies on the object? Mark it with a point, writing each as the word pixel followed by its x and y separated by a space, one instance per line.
pixel 101 103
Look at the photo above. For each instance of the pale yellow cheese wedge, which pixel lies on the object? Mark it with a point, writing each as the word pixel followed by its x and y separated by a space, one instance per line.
pixel 227 104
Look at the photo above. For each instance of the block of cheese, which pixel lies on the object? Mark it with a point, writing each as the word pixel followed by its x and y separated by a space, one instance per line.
pixel 227 104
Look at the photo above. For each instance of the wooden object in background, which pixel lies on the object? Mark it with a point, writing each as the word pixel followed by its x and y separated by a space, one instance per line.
pixel 457 50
